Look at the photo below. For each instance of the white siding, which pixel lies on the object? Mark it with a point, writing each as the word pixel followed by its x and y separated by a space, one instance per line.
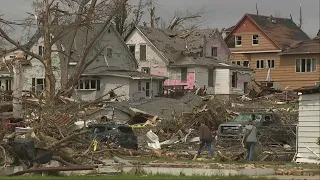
pixel 135 94
pixel 106 84
pixel 308 127
pixel 201 79
pixel 154 59
pixel 222 81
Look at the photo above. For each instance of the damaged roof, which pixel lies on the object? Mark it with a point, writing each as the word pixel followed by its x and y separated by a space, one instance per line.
pixel 305 47
pixel 282 31
pixel 207 62
pixel 309 89
pixel 116 71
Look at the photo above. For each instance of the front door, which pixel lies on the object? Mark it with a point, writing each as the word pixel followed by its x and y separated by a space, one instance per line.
pixel 148 89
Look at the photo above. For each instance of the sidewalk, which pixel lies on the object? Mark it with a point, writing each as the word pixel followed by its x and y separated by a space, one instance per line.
pixel 293 177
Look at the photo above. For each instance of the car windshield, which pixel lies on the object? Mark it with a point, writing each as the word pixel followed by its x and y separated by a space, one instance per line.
pixel 247 117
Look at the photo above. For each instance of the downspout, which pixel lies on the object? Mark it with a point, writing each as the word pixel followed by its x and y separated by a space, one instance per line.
pixel 151 79
pixel 204 47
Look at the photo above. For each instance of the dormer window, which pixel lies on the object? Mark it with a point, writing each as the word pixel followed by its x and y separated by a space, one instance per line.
pixel 255 40
pixel 238 41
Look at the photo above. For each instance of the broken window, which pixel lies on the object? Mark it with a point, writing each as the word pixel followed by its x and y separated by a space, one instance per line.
pixel 270 63
pixel 214 51
pixel 255 39
pixel 145 70
pixel 246 63
pixel 184 74
pixel 238 41
pixel 260 64
pixel 210 78
pixel 306 65
pixel 234 79
pixel 143 52
pixel 132 49
pixel 109 53
pixel 89 84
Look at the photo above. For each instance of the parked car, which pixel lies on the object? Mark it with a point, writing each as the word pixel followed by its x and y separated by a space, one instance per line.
pixel 122 135
pixel 270 128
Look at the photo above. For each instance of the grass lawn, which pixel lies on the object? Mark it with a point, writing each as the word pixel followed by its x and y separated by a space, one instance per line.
pixel 155 177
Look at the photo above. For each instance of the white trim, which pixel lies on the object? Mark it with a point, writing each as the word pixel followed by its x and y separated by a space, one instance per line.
pixel 243 52
pixel 306 66
pixel 235 41
pixel 252 40
pixel 73 63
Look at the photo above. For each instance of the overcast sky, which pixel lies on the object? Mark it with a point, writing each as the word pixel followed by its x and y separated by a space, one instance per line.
pixel 219 13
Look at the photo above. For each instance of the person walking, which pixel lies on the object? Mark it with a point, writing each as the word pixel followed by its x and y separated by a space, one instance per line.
pixel 250 138
pixel 205 140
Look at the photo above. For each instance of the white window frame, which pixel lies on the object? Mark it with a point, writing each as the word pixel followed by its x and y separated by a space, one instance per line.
pixel 140 52
pixel 89 81
pixel 274 63
pixel 255 39
pixel 235 41
pixel 317 83
pixel 38 86
pixel 246 61
pixel 313 67
pixel 146 68
pixel 237 62
pixel 259 67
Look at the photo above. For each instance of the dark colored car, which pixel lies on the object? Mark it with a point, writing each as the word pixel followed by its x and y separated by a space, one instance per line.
pixel 122 135
pixel 269 125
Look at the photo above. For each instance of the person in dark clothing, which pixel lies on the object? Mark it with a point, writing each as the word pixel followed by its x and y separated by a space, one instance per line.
pixel 205 140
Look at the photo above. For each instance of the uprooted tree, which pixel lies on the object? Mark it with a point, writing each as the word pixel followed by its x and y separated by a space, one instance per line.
pixel 55 20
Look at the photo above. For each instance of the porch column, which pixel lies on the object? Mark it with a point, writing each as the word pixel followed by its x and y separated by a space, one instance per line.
pixel 17 85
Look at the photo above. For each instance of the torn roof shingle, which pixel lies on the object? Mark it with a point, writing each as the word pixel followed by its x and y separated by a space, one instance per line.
pixel 284 32
pixel 311 46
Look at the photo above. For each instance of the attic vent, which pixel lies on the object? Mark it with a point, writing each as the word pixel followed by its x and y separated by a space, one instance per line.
pixel 272 19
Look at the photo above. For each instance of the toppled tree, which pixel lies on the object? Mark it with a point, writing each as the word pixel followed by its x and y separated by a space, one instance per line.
pixel 181 20
pixel 55 19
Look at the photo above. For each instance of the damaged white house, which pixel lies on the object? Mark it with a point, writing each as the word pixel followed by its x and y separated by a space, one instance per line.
pixel 308 131
pixel 190 59
pixel 114 67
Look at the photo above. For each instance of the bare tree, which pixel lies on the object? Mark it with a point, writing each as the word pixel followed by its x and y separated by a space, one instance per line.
pixel 130 16
pixel 182 19
pixel 56 19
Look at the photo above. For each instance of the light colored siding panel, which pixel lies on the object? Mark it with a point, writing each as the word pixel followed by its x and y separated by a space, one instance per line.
pixel 309 127
pixel 308 133
pixel 308 114
pixel 313 148
pixel 222 81
pixel 307 139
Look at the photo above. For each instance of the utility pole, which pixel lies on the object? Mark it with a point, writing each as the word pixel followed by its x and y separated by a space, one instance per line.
pixel 17 85
pixel 257 9
pixel 300 19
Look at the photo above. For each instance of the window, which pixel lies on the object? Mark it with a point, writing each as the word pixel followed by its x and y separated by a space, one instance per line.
pixel 143 52
pixel 214 51
pixel 306 65
pixel 270 63
pixel 184 74
pixel 38 84
pixel 317 83
pixel 139 86
pixel 255 39
pixel 109 53
pixel 236 62
pixel 238 41
pixel 246 63
pixel 145 70
pixel 41 50
pixel 132 49
pixel 210 78
pixel 8 85
pixel 260 64
pixel 234 79
pixel 89 84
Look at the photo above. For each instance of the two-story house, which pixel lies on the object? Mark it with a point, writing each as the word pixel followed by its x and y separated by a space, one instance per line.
pixel 192 59
pixel 256 41
pixel 114 67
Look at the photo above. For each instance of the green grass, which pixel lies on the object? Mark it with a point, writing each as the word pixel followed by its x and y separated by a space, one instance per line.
pixel 155 177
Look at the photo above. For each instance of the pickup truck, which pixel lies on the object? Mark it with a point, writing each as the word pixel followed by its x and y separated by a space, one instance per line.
pixel 271 130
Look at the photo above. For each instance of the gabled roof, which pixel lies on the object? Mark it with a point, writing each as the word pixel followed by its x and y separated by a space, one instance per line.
pixel 305 47
pixel 171 44
pixel 282 32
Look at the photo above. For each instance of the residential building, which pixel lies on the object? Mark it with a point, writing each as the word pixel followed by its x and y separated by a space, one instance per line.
pixel 300 64
pixel 308 130
pixel 114 68
pixel 256 41
pixel 191 59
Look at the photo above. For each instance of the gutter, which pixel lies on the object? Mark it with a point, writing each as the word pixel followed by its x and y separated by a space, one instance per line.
pixel 299 53
pixel 244 52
